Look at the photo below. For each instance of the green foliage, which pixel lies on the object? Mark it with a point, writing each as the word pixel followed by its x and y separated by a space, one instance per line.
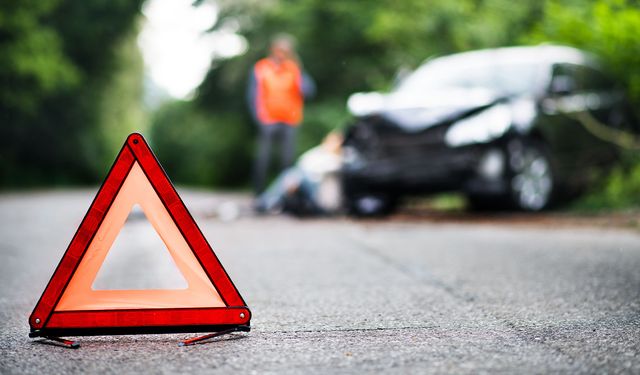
pixel 621 190
pixel 119 106
pixel 197 147
pixel 33 64
pixel 350 46
pixel 68 69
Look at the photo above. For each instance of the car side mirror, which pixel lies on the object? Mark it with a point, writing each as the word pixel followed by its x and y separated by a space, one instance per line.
pixel 562 85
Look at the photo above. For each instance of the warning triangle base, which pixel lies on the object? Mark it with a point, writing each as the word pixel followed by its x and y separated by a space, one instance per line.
pixel 58 341
pixel 108 331
pixel 202 339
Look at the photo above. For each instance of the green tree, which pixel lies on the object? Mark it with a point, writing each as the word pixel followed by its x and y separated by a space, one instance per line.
pixel 59 57
pixel 199 148
pixel 33 64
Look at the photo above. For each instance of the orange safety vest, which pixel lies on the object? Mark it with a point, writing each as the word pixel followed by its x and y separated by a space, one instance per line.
pixel 279 92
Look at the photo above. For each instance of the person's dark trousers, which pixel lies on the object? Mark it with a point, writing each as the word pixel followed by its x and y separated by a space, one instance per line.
pixel 269 134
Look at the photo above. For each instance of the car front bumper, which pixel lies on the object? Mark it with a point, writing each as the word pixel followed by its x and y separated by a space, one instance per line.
pixel 450 169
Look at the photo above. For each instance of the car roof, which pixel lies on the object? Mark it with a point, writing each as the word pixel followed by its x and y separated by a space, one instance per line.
pixel 543 54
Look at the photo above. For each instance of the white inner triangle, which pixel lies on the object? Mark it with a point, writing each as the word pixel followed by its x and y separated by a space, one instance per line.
pixel 135 290
pixel 138 259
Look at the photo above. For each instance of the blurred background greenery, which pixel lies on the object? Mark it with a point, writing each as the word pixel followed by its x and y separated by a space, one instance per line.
pixel 73 80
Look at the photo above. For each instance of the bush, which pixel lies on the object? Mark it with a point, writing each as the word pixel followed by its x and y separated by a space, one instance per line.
pixel 620 190
pixel 201 149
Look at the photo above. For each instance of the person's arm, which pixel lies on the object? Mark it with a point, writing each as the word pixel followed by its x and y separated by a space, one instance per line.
pixel 252 93
pixel 308 86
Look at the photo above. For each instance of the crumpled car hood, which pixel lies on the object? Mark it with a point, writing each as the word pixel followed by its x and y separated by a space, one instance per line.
pixel 414 113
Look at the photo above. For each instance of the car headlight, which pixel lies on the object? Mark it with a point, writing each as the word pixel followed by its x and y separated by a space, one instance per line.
pixel 362 104
pixel 481 128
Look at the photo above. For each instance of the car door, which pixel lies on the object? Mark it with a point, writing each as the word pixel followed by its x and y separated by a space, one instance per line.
pixel 574 96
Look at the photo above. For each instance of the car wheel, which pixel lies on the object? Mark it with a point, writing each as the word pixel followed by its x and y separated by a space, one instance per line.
pixel 371 205
pixel 532 182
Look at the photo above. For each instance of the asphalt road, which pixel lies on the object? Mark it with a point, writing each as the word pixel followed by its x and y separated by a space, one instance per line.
pixel 338 296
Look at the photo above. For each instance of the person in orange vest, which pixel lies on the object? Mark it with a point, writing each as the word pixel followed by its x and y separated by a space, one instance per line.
pixel 277 89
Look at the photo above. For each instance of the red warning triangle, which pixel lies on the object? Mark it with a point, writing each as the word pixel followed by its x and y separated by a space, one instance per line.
pixel 70 305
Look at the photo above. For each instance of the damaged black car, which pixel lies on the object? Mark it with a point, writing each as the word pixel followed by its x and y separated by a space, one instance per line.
pixel 521 126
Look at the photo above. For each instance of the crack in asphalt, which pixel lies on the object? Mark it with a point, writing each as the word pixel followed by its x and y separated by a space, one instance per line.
pixel 428 278
pixel 423 276
pixel 374 329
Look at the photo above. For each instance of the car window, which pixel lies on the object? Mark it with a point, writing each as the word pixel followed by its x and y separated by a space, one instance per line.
pixel 597 80
pixel 583 78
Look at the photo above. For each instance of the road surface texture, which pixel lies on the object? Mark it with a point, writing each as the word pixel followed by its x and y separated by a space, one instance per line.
pixel 342 296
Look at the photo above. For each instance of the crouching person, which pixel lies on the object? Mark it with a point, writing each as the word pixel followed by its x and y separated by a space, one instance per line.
pixel 312 186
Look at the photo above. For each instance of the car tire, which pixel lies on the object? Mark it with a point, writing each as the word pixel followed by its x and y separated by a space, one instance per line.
pixel 532 179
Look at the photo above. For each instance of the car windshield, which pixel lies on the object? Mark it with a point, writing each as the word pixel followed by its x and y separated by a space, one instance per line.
pixel 503 78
